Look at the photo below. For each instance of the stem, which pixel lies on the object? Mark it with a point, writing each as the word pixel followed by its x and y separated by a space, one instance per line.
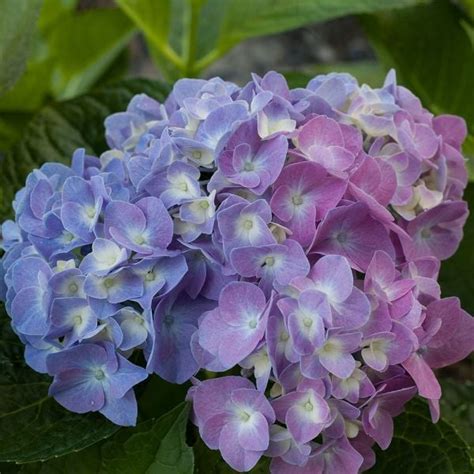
pixel 191 39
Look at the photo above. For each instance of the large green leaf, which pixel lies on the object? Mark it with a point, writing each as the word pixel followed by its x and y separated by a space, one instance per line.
pixel 226 23
pixel 191 34
pixel 432 48
pixel 84 45
pixel 60 128
pixel 72 52
pixel 249 18
pixel 155 446
pixel 33 87
pixel 161 22
pixel 456 273
pixel 17 26
pixel 33 427
pixel 419 446
pixel 457 406
pixel 86 461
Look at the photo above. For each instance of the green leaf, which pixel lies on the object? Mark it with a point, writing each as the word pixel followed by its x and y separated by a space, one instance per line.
pixel 455 276
pixel 161 22
pixel 17 26
pixel 86 461
pixel 59 129
pixel 32 89
pixel 432 48
pixel 155 446
pixel 53 11
pixel 223 24
pixel 186 36
pixel 84 45
pixel 419 446
pixel 457 406
pixel 34 427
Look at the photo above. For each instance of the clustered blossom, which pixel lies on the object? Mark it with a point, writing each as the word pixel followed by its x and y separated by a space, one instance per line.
pixel 288 241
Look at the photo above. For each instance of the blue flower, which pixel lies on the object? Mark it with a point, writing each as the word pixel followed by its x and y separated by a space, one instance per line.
pixel 93 377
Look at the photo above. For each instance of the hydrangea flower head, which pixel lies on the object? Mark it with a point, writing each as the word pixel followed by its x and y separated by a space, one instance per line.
pixel 285 241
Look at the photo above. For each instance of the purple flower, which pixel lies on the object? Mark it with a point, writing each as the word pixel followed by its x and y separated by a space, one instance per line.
pixel 233 330
pixel 144 227
pixel 235 418
pixel 175 184
pixel 136 327
pixel 305 319
pixel 453 129
pixel 248 162
pixel 277 262
pixel 377 417
pixel 372 110
pixel 29 296
pixel 322 140
pixel 244 224
pixel 36 201
pixel 82 205
pixel 444 338
pixel 215 129
pixel 196 217
pixel 259 362
pixel 334 356
pixel 388 348
pixel 436 232
pixel 159 276
pixel 105 257
pixel 332 276
pixel 68 282
pixel 350 231
pixel 283 446
pixel 73 319
pixel 125 129
pixel 118 286
pixel 206 273
pixel 280 346
pixel 354 387
pixel 415 138
pixel 384 280
pixel 335 455
pixel 175 321
pixel 303 195
pixel 93 377
pixel 37 351
pixel 304 412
